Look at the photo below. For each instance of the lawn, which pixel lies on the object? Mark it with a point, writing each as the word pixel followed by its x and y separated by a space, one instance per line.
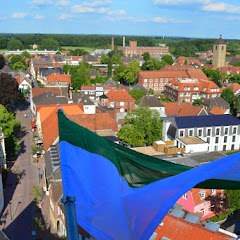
pixel 73 48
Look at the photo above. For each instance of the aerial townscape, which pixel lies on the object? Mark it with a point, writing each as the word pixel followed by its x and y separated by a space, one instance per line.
pixel 159 109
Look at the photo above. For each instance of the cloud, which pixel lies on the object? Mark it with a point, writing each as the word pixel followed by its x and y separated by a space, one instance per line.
pixel 221 7
pixel 38 16
pixel 63 3
pixel 179 2
pixel 85 9
pixel 65 16
pixel 41 3
pixel 119 12
pixel 97 3
pixel 159 20
pixel 19 15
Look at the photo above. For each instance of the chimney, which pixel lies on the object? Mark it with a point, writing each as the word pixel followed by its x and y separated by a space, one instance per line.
pixel 112 43
pixel 123 41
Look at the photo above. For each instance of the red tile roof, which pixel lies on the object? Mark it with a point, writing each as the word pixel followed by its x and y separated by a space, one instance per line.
pixel 218 111
pixel 179 229
pixel 234 86
pixel 181 109
pixel 55 77
pixel 119 96
pixel 38 91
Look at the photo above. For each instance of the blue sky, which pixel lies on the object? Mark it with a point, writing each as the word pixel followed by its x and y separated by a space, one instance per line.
pixel 189 18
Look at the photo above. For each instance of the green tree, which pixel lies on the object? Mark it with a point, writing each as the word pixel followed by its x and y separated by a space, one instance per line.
pixel 151 91
pixel 146 56
pixel 11 128
pixel 49 44
pixel 131 71
pixel 233 198
pixel 119 73
pixel 38 225
pixel 167 59
pixel 153 64
pixel 36 193
pixel 14 44
pixel 2 61
pixel 26 54
pixel 214 75
pixel 228 95
pixel 237 64
pixel 19 66
pixel 235 78
pixel 137 94
pixel 129 134
pixel 16 59
pixel 146 122
pixel 197 102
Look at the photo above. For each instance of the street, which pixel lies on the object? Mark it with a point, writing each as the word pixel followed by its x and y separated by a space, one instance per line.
pixel 19 209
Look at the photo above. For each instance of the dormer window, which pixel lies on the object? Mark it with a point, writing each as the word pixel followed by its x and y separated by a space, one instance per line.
pixel 202 194
pixel 185 195
pixel 213 192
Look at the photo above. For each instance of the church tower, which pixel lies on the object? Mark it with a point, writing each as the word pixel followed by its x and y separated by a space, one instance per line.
pixel 219 53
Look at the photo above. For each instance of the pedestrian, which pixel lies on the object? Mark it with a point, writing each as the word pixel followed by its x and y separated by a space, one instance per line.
pixel 25 115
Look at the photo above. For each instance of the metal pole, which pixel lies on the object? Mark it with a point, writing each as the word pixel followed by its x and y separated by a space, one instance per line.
pixel 70 216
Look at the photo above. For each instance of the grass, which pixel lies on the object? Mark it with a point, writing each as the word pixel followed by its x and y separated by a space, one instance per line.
pixel 230 152
pixel 88 49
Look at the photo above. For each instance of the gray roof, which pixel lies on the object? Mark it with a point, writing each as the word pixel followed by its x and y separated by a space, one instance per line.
pixel 48 98
pixel 138 86
pixel 76 97
pixel 234 60
pixel 86 100
pixel 217 101
pixel 48 71
pixel 149 101
pixel 110 82
pixel 59 58
pixel 220 41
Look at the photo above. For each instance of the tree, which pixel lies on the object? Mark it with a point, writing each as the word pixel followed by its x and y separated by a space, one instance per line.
pixel 143 122
pixel 233 198
pixel 197 102
pixel 11 128
pixel 19 66
pixel 16 58
pixel 214 75
pixel 14 44
pixel 146 56
pixel 2 61
pixel 131 71
pixel 167 59
pixel 49 44
pixel 228 95
pixel 26 54
pixel 119 73
pixel 153 64
pixel 137 94
pixel 10 96
pixel 237 64
pixel 36 193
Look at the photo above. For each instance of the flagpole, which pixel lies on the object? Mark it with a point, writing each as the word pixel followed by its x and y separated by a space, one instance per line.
pixel 70 216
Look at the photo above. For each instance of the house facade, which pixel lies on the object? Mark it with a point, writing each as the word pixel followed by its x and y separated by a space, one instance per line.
pixel 195 201
pixel 220 132
pixel 190 89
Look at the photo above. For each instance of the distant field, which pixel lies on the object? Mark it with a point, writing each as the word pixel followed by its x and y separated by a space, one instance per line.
pixel 73 48
pixel 2 51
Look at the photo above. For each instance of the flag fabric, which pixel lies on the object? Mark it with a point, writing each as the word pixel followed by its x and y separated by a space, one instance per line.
pixel 122 194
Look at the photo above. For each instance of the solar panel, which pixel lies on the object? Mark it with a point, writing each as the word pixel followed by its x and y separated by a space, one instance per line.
pixel 177 213
pixel 212 226
pixel 192 218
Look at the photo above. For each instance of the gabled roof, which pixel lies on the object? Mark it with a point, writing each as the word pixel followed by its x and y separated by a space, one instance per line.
pixel 85 100
pixel 56 187
pixel 110 82
pixel 218 111
pixel 49 99
pixel 234 86
pixel 56 77
pixel 217 101
pixel 149 101
pixel 38 91
pixel 119 95
pixel 181 109
pixel 139 86
pixel 206 121
pixel 175 228
pixel 48 71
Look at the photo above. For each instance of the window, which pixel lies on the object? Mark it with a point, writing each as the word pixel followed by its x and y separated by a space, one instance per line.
pixel 185 195
pixel 199 132
pixel 233 138
pixel 181 133
pixel 213 192
pixel 59 211
pixel 150 84
pixel 202 194
pixel 208 140
pixel 217 131
pixel 155 84
pixel 225 139
pixel 226 131
pixel 161 79
pixel 190 133
pixel 121 104
pixel 150 80
pixel 209 132
pixel 145 80
pixel 217 139
pixel 216 47
pixel 222 47
pixel 234 130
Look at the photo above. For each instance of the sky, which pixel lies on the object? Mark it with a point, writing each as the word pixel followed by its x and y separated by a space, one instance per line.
pixel 182 18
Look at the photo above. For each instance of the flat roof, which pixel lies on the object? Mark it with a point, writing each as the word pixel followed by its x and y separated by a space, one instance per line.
pixel 191 140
